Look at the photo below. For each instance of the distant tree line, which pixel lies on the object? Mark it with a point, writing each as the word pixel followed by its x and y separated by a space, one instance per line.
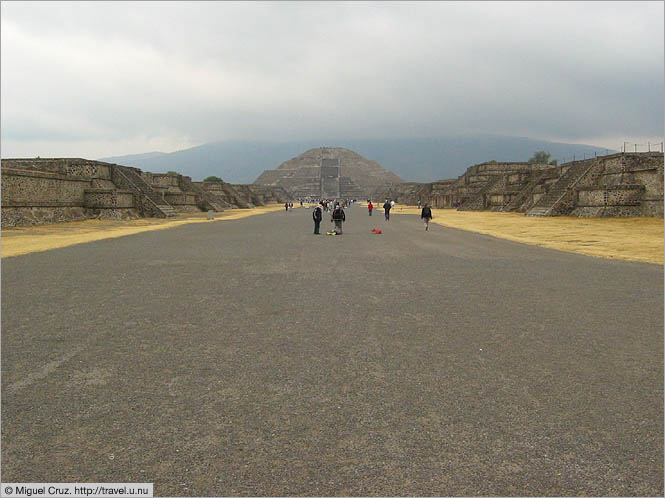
pixel 542 157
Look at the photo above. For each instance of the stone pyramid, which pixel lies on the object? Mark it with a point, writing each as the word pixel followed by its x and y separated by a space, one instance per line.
pixel 329 172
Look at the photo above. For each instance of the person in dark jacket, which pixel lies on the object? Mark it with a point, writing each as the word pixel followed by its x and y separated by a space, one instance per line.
pixel 386 208
pixel 317 216
pixel 426 215
pixel 338 217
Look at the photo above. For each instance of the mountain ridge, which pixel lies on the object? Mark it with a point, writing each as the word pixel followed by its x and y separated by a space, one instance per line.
pixel 413 159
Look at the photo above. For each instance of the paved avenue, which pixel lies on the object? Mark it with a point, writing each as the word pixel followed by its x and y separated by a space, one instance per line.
pixel 251 357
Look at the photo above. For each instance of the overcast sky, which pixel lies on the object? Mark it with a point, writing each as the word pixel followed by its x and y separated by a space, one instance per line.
pixel 110 78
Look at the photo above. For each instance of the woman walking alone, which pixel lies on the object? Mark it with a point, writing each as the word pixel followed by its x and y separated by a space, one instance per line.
pixel 426 215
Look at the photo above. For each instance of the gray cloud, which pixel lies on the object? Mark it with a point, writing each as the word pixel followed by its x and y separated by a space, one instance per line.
pixel 105 78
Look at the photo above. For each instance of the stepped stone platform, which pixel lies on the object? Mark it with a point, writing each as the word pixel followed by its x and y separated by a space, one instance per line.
pixel 617 185
pixel 37 191
pixel 329 172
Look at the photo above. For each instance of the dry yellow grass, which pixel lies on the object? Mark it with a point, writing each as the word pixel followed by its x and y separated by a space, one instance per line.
pixel 632 239
pixel 24 240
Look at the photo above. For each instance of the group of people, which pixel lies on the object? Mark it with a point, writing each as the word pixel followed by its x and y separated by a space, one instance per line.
pixel 387 206
pixel 425 214
pixel 337 217
pixel 327 204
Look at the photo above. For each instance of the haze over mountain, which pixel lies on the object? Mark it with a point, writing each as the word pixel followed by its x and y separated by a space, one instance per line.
pixel 145 155
pixel 169 76
pixel 415 160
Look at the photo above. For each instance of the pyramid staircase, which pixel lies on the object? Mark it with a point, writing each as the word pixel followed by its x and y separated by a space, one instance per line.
pixel 546 205
pixel 126 178
pixel 210 200
pixel 516 202
pixel 476 202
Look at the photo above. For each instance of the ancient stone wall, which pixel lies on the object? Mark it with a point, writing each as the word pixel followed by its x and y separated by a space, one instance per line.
pixel 622 185
pixel 49 190
pixel 41 188
pixel 267 195
pixel 110 204
pixel 34 215
pixel 182 201
pixel 245 196
pixel 225 192
pixel 98 198
pixel 59 191
pixel 147 201
pixel 167 181
pixel 176 190
pixel 628 184
pixel 63 166
pixel 404 193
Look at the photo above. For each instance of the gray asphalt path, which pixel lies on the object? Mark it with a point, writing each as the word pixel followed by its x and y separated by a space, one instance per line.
pixel 251 357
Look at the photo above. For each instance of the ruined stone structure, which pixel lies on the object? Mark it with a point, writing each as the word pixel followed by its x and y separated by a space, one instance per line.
pixel 36 191
pixel 329 172
pixel 626 184
pixel 629 184
pixel 50 190
pixel 477 188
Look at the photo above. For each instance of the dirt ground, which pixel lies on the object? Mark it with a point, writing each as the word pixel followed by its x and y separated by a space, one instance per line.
pixel 263 360
pixel 632 239
pixel 24 240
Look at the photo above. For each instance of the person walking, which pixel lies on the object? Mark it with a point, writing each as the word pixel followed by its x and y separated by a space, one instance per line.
pixel 370 206
pixel 317 216
pixel 386 208
pixel 338 217
pixel 286 207
pixel 426 215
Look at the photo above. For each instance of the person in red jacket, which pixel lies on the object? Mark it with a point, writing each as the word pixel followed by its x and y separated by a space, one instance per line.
pixel 370 206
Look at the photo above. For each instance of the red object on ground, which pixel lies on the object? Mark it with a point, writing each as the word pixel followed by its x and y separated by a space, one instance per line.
pixel 377 230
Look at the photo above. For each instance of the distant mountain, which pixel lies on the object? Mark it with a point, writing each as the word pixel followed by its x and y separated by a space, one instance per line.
pixel 133 157
pixel 234 162
pixel 427 159
pixel 414 160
